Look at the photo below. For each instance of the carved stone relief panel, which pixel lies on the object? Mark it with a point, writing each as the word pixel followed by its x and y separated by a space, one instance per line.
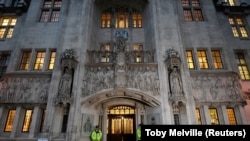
pixel 216 88
pixel 24 89
pixel 96 79
pixel 142 77
pixel 87 124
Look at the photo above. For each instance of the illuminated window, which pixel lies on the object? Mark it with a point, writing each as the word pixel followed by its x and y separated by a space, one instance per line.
pixel 106 20
pixel 214 116
pixel 121 21
pixel 198 116
pixel 217 59
pixel 121 17
pixel 50 11
pixel 52 60
pixel 4 60
pixel 238 26
pixel 192 10
pixel 10 121
pixel 138 48
pixel 231 116
pixel 202 58
pixel 121 110
pixel 230 2
pixel 25 60
pixel 137 20
pixel 242 66
pixel 40 55
pixel 27 121
pixel 7 25
pixel 105 54
pixel 190 60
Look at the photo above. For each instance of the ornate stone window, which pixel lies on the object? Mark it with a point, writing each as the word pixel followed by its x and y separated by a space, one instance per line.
pixel 238 26
pixel 137 19
pixel 25 61
pixel 190 60
pixel 50 11
pixel 52 60
pixel 192 10
pixel 105 53
pixel 106 20
pixel 10 120
pixel 231 116
pixel 202 59
pixel 27 120
pixel 216 55
pixel 7 25
pixel 121 17
pixel 138 48
pixel 214 116
pixel 121 110
pixel 39 62
pixel 242 66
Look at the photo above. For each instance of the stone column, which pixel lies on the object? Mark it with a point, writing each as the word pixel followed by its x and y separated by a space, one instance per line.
pixel 206 114
pixel 35 122
pixel 224 114
pixel 18 122
pixel 240 115
pixel 3 117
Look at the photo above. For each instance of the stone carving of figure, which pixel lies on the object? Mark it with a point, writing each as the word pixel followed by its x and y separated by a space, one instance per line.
pixel 65 83
pixel 175 82
pixel 87 126
pixel 68 53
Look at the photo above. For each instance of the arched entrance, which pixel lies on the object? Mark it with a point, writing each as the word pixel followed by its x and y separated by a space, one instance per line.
pixel 121 123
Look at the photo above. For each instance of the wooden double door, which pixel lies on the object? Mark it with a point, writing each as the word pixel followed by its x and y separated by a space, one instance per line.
pixel 121 127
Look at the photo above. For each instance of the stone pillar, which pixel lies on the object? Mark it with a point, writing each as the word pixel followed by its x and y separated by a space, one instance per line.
pixel 240 115
pixel 206 114
pixel 18 122
pixel 35 122
pixel 3 117
pixel 57 122
pixel 224 114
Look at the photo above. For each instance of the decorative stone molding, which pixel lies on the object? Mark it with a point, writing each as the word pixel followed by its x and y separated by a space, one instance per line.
pixel 172 59
pixel 62 101
pixel 68 59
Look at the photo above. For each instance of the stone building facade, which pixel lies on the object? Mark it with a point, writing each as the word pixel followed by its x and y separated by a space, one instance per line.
pixel 68 65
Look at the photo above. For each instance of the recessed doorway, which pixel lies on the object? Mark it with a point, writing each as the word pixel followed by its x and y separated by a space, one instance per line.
pixel 121 123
